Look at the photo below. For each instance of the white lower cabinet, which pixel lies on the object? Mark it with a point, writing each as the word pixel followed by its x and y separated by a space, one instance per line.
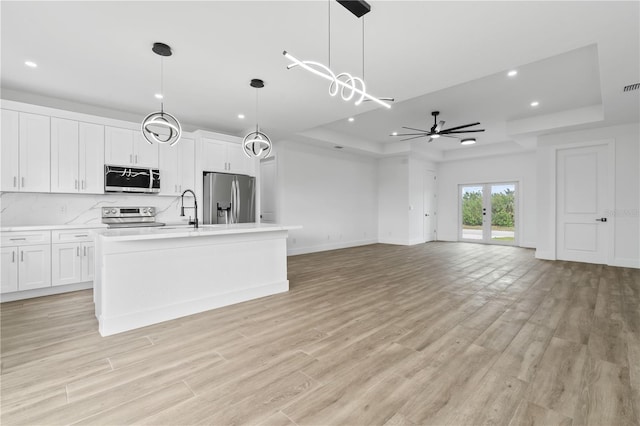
pixel 26 267
pixel 72 257
pixel 71 263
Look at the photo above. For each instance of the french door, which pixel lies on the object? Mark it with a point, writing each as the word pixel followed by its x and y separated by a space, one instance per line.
pixel 488 213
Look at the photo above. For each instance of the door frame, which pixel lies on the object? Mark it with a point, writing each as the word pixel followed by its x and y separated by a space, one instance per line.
pixel 517 212
pixel 609 198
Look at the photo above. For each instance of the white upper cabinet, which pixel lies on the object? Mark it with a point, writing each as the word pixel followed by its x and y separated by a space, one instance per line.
pixel 126 147
pixel 25 152
pixel 10 152
pixel 225 157
pixel 77 156
pixel 91 158
pixel 177 167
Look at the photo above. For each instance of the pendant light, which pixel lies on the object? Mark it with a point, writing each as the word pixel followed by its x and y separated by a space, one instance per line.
pixel 160 126
pixel 344 83
pixel 257 144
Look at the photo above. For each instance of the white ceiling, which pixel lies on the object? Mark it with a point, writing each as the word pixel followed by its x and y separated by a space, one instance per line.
pixel 573 57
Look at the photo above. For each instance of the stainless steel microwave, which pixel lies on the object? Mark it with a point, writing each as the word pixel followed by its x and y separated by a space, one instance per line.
pixel 131 179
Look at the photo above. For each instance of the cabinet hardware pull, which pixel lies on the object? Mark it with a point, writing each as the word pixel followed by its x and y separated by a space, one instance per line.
pixel 13 257
pixel 136 158
pixel 18 239
pixel 15 181
pixel 23 182
pixel 81 235
pixel 76 184
pixel 21 256
pixel 83 184
pixel 77 250
pixel 131 158
pixel 85 251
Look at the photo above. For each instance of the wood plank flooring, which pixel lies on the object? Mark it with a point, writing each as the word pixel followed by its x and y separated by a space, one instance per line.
pixel 433 334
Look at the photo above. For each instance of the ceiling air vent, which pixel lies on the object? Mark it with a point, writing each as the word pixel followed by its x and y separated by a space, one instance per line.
pixel 631 87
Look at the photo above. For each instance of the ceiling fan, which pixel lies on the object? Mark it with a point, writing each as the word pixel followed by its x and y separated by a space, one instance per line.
pixel 437 130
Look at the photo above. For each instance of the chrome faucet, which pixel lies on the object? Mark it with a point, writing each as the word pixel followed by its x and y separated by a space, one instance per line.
pixel 195 207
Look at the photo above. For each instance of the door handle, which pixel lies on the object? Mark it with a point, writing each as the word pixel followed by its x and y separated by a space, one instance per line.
pixel 426 214
pixel 602 219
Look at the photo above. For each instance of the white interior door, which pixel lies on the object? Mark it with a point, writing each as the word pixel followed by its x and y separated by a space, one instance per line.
pixel 582 227
pixel 429 206
pixel 268 200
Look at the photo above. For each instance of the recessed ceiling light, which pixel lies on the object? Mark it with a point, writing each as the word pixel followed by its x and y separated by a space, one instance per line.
pixel 338 147
pixel 512 73
pixel 534 104
pixel 240 116
pixel 394 134
pixel 31 64
pixel 468 141
pixel 159 96
pixel 351 119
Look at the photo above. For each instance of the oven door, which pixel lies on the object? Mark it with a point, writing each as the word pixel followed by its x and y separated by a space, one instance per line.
pixel 131 179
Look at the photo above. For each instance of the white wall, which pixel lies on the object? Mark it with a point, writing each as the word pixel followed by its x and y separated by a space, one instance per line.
pixel 624 216
pixel 331 193
pixel 519 168
pixel 30 209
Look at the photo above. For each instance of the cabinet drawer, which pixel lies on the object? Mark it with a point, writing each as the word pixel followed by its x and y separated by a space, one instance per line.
pixel 25 238
pixel 72 235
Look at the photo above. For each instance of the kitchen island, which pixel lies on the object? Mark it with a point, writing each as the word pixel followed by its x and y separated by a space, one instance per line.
pixel 148 275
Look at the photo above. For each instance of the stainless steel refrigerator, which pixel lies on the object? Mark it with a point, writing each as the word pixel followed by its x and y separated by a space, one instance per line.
pixel 228 198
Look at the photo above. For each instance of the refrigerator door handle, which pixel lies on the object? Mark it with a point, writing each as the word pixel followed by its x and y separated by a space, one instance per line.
pixel 232 213
pixel 237 201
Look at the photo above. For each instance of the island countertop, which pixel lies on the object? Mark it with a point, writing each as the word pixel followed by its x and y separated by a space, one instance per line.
pixel 182 231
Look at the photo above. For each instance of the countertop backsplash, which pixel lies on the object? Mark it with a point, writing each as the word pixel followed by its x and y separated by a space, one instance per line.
pixel 32 209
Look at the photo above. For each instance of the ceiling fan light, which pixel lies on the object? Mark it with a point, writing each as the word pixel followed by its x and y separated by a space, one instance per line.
pixel 436 136
pixel 468 141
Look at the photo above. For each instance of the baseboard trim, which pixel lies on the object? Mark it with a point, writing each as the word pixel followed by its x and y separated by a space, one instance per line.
pixel 46 291
pixel 545 255
pixel 326 247
pixel 626 262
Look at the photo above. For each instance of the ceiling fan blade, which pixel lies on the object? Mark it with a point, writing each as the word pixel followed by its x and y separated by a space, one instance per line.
pixel 430 139
pixel 461 127
pixel 419 130
pixel 411 134
pixel 440 125
pixel 446 136
pixel 461 131
pixel 415 137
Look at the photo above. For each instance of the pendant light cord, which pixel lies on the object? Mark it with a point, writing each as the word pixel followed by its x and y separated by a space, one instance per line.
pixel 363 47
pixel 329 31
pixel 162 84
pixel 257 126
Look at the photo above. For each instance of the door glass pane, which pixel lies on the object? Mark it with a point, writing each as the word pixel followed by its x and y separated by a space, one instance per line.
pixel 472 213
pixel 503 219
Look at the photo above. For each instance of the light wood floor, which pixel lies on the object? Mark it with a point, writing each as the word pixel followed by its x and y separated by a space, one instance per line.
pixel 434 334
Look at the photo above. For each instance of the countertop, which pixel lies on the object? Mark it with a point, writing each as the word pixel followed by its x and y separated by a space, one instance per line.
pixel 50 227
pixel 163 232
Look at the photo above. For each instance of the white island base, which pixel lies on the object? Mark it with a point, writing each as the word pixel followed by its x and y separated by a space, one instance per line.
pixel 146 276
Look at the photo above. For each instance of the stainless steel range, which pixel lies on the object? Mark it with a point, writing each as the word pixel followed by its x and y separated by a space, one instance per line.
pixel 130 217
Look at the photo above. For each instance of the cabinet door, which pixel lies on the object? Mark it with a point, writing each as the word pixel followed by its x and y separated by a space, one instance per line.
pixel 66 263
pixel 9 273
pixel 91 156
pixel 88 261
pixel 118 146
pixel 169 169
pixel 9 150
pixel 187 165
pixel 34 268
pixel 144 153
pixel 64 155
pixel 35 149
pixel 214 156
pixel 236 159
